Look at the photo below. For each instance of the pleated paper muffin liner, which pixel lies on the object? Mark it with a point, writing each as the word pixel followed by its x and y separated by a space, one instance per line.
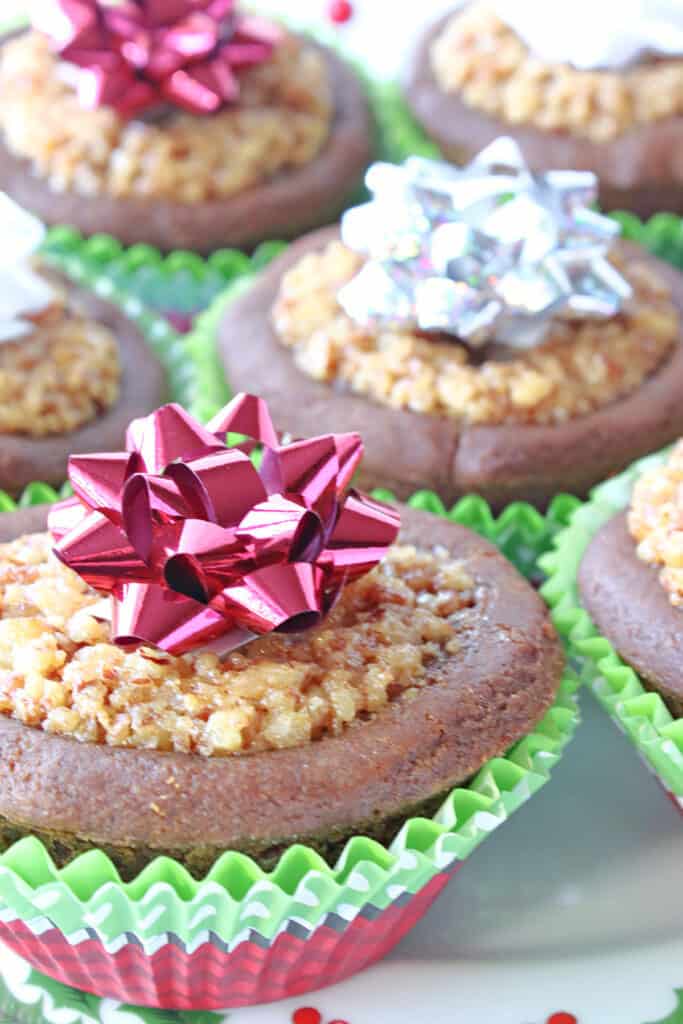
pixel 641 714
pixel 241 936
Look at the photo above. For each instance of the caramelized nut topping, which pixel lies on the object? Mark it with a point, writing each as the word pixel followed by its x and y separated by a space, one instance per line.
pixel 389 635
pixel 60 377
pixel 656 521
pixel 581 367
pixel 478 56
pixel 281 122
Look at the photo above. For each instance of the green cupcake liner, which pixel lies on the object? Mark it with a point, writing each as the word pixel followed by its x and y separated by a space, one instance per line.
pixel 639 713
pixel 237 896
pixel 179 283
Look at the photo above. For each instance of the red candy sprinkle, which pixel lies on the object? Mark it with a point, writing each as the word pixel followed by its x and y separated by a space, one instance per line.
pixel 562 1018
pixel 309 1015
pixel 341 11
pixel 335 1021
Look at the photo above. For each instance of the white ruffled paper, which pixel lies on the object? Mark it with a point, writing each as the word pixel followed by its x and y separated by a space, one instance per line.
pixel 594 34
pixel 23 292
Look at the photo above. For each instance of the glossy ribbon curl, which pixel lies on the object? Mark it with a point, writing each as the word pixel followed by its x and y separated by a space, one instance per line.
pixel 488 252
pixel 198 548
pixel 141 54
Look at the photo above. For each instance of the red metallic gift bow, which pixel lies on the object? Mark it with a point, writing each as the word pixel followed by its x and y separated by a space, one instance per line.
pixel 140 54
pixel 198 548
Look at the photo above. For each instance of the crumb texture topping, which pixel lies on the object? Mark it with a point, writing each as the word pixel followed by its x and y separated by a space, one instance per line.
pixel 655 520
pixel 60 377
pixel 581 367
pixel 281 122
pixel 389 635
pixel 483 60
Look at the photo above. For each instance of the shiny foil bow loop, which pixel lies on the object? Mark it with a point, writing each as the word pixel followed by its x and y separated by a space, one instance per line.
pixel 489 252
pixel 200 549
pixel 138 54
pixel 23 292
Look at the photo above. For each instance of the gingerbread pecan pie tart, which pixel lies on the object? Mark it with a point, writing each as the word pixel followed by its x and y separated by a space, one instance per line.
pixel 485 329
pixel 631 579
pixel 190 125
pixel 574 85
pixel 74 369
pixel 199 656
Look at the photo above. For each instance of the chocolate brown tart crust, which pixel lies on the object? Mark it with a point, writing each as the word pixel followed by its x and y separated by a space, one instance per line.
pixel 136 804
pixel 639 171
pixel 405 450
pixel 283 207
pixel 143 388
pixel 629 605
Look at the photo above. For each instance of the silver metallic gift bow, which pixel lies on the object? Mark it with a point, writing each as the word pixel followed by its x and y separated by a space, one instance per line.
pixel 489 251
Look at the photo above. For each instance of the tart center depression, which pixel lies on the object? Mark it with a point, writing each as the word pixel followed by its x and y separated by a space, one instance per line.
pixel 483 60
pixel 390 635
pixel 655 521
pixel 62 375
pixel 581 367
pixel 281 121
